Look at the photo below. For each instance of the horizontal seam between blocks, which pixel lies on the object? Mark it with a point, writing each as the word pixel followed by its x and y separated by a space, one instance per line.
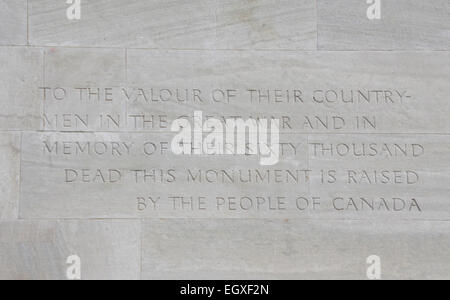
pixel 229 49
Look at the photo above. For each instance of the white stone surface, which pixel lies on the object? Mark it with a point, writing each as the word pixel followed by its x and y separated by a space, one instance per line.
pixel 403 176
pixel 20 76
pixel 293 249
pixel 84 101
pixel 420 77
pixel 407 90
pixel 180 24
pixel 76 73
pixel 83 179
pixel 9 175
pixel 403 25
pixel 117 175
pixel 108 249
pixel 13 22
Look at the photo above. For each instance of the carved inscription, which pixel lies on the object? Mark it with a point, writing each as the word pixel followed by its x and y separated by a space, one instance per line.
pixel 349 144
pixel 136 174
pixel 123 109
